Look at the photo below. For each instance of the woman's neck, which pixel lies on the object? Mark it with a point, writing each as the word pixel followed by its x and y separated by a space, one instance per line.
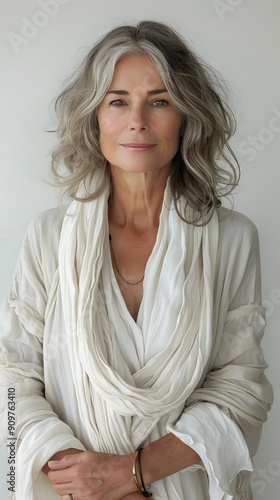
pixel 136 200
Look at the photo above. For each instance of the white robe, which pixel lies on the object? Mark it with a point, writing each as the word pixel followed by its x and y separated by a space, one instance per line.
pixel 222 418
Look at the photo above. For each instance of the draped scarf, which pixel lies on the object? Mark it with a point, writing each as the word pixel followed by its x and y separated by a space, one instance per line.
pixel 119 406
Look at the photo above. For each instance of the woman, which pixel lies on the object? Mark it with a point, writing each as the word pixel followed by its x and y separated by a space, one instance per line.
pixel 133 325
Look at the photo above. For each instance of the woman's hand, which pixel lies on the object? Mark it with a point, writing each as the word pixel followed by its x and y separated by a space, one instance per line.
pixel 58 456
pixel 94 476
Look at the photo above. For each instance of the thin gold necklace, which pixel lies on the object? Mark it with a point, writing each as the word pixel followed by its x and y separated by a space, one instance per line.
pixel 117 269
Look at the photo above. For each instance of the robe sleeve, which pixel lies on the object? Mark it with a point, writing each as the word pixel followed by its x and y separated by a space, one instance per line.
pixel 223 418
pixel 39 431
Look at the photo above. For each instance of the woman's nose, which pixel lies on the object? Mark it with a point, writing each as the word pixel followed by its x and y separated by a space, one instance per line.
pixel 138 119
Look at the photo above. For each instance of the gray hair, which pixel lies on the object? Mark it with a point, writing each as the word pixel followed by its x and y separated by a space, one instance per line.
pixel 207 122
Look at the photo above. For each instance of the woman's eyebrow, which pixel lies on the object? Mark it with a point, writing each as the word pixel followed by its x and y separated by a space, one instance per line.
pixel 125 92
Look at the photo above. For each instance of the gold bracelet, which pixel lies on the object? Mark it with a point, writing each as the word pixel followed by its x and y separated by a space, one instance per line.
pixel 135 473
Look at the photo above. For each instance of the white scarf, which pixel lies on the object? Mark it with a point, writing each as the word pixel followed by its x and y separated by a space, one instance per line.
pixel 119 408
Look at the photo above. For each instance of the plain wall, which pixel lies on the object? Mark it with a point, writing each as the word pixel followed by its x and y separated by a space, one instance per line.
pixel 240 38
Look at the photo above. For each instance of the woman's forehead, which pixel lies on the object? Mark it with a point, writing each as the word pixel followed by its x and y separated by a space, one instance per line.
pixel 136 70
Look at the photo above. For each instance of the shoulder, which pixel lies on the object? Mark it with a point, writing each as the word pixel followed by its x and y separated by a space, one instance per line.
pixel 236 227
pixel 238 239
pixel 46 224
pixel 52 217
pixel 238 258
pixel 42 237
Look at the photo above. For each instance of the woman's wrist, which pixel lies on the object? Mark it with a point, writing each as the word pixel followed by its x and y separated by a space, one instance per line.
pixel 123 479
pixel 138 475
pixel 164 457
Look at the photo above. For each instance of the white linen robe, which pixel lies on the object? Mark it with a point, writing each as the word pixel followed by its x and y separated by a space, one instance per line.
pixel 34 359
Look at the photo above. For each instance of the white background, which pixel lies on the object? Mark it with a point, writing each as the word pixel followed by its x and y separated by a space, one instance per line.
pixel 240 38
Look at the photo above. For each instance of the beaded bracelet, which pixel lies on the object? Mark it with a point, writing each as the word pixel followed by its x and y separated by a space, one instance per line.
pixel 144 492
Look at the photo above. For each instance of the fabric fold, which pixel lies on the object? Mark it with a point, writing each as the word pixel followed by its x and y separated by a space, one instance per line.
pixel 209 432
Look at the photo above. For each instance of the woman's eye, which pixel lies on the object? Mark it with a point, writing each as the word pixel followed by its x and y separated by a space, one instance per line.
pixel 117 103
pixel 159 103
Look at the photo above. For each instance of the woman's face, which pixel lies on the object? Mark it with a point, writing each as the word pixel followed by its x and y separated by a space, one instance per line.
pixel 139 125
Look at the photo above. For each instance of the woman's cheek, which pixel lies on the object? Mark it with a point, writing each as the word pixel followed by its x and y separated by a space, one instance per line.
pixel 109 122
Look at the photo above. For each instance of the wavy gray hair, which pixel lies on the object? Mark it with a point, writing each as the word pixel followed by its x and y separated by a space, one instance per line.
pixel 197 173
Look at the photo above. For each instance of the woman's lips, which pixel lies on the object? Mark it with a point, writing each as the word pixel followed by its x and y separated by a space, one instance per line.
pixel 138 147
